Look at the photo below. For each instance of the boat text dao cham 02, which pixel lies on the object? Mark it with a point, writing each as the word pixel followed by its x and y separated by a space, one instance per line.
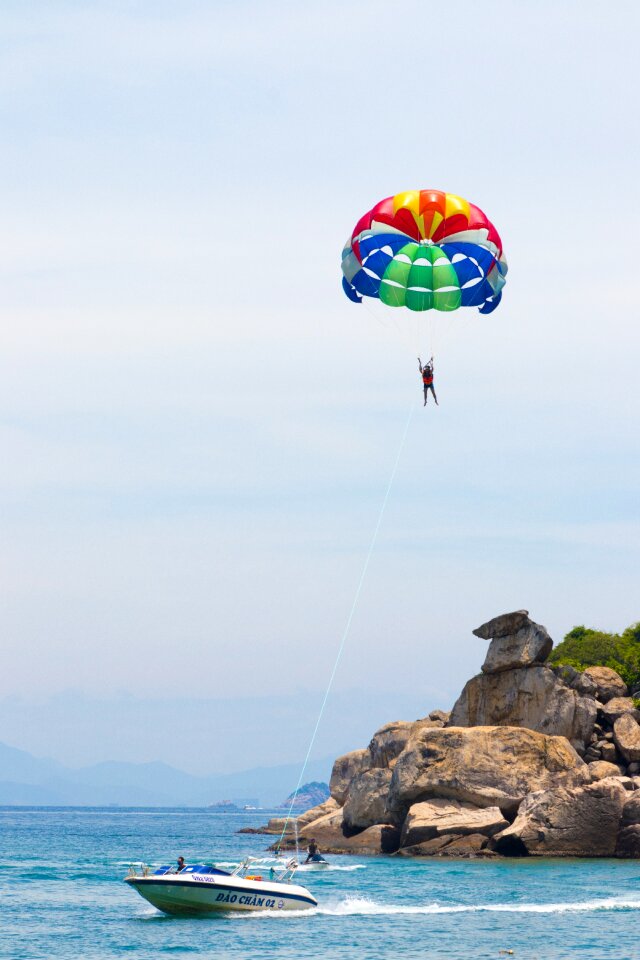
pixel 202 888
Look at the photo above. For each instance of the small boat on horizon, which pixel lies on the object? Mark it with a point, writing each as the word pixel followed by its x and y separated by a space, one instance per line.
pixel 204 888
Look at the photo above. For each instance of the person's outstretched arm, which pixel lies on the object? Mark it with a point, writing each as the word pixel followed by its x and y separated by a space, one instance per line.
pixel 419 365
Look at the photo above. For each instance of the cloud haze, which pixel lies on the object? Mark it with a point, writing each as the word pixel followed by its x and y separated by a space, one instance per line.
pixel 198 428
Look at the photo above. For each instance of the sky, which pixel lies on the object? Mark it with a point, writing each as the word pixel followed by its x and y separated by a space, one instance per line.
pixel 198 429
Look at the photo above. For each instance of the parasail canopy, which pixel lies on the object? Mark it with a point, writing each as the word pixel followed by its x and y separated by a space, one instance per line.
pixel 425 250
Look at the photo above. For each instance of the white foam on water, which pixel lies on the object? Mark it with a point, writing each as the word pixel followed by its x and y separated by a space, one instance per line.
pixel 354 866
pixel 363 906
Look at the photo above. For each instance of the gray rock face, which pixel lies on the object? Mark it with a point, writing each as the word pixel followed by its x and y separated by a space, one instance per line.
pixel 439 817
pixel 580 682
pixel 366 800
pixel 314 813
pixel 609 684
pixel 331 837
pixel 503 625
pixel 442 715
pixel 483 766
pixel 469 845
pixel 426 725
pixel 531 697
pixel 574 822
pixel 345 769
pixel 628 844
pixel 530 644
pixel 388 742
pixel 626 734
pixel 608 752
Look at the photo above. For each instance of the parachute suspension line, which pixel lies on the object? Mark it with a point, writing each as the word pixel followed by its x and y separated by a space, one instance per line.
pixel 347 628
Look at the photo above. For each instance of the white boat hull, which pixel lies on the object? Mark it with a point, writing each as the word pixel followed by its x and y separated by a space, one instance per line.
pixel 203 893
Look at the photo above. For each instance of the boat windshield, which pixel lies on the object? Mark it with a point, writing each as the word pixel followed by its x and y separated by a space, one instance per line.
pixel 190 868
pixel 282 873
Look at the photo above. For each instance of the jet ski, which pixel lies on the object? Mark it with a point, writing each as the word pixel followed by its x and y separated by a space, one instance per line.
pixel 316 862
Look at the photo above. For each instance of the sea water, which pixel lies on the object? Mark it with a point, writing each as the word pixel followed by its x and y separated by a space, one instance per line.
pixel 62 896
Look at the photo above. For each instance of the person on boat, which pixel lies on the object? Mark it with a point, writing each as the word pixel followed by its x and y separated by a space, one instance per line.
pixel 312 851
pixel 181 865
pixel 427 379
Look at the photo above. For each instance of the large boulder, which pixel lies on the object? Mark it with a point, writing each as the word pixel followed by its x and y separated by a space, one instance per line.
pixel 483 766
pixel 570 822
pixel 609 684
pixel 467 845
pixel 388 742
pixel 442 715
pixel 380 838
pixel 366 800
pixel 332 837
pixel 531 697
pixel 325 830
pixel 576 680
pixel 345 769
pixel 628 844
pixel 618 706
pixel 626 733
pixel 601 769
pixel 322 809
pixel 526 642
pixel 504 625
pixel 438 817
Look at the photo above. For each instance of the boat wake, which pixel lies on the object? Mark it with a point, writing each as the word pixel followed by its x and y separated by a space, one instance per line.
pixel 363 906
pixel 332 868
pixel 306 868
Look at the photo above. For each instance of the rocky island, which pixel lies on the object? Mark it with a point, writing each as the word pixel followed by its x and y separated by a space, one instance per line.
pixel 533 759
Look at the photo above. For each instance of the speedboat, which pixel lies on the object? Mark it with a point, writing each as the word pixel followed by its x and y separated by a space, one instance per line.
pixel 203 888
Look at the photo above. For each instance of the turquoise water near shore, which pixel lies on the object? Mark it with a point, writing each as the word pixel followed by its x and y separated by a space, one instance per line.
pixel 62 896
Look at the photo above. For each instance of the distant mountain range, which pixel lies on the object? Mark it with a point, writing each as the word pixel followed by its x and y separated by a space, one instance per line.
pixel 28 780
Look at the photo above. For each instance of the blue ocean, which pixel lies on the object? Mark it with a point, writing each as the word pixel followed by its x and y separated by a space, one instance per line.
pixel 62 896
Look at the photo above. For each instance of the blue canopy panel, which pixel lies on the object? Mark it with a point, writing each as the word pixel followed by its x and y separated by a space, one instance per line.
pixel 377 252
pixel 365 285
pixel 483 257
pixel 351 291
pixel 472 263
pixel 389 242
pixel 491 303
pixel 476 295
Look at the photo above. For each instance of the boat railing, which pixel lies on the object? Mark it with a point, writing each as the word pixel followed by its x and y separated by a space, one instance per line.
pixel 283 874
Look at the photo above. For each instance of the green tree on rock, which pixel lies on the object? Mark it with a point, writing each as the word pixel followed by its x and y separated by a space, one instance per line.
pixel 583 647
